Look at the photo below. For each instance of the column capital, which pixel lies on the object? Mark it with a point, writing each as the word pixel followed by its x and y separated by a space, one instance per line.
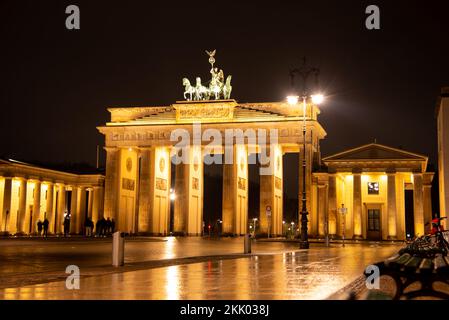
pixel 356 171
pixel 111 149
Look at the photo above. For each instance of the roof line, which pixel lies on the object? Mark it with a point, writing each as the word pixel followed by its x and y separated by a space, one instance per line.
pixel 375 144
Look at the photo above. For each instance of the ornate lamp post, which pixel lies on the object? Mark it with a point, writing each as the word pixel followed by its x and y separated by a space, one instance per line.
pixel 304 72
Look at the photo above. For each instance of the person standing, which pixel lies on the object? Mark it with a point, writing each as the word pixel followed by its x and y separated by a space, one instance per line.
pixel 112 225
pixel 88 225
pixel 45 226
pixel 98 228
pixel 66 225
pixel 108 226
pixel 39 227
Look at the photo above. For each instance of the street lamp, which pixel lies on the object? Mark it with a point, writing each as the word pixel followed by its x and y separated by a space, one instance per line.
pixel 304 72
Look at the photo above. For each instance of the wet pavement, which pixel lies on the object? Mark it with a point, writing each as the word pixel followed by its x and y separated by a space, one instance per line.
pixel 312 274
pixel 26 260
pixel 42 254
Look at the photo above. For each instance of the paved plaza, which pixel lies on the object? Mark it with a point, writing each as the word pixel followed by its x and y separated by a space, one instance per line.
pixel 182 268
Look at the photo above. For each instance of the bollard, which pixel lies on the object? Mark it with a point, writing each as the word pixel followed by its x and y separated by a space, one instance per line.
pixel 118 249
pixel 247 244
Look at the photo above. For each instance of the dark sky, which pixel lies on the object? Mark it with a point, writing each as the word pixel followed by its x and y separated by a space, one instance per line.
pixel 56 83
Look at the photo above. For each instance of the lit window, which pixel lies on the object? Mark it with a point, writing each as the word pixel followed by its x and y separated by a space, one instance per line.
pixel 373 187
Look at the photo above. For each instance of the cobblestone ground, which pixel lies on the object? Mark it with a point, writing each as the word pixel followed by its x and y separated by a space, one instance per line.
pixel 312 274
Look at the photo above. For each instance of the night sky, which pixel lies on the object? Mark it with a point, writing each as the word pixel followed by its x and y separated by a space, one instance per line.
pixel 57 83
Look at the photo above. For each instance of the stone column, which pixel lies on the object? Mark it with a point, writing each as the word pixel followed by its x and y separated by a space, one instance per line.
pixel 90 205
pixel 188 214
pixel 271 194
pixel 80 210
pixel 391 207
pixel 22 206
pixel 59 210
pixel 160 166
pixel 332 205
pixel 235 191
pixel 36 205
pixel 74 218
pixel 8 219
pixel 111 183
pixel 49 206
pixel 144 192
pixel 182 195
pixel 427 200
pixel 98 197
pixel 418 205
pixel 357 204
pixel 323 205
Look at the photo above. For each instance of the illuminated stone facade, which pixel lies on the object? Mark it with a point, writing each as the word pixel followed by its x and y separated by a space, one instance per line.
pixel 30 193
pixel 371 182
pixel 138 173
pixel 442 113
pixel 140 137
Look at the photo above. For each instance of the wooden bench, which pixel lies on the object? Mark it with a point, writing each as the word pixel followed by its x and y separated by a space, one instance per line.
pixel 407 268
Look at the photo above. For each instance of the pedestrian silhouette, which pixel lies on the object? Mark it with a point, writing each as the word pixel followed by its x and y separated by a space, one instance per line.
pixel 66 225
pixel 45 226
pixel 39 227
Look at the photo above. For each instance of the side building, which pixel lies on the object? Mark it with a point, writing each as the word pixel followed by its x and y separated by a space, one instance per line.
pixel 30 193
pixel 385 193
pixel 442 113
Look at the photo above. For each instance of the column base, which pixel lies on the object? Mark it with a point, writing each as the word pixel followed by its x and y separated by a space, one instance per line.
pixel 179 233
pixel 392 238
pixel 357 237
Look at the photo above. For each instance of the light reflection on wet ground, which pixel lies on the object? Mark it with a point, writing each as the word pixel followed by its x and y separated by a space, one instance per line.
pixel 313 274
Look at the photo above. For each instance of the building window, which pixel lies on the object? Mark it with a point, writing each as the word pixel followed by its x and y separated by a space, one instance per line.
pixel 373 187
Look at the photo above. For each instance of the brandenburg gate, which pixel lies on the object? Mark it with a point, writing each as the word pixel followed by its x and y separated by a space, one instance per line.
pixel 142 142
pixel 138 162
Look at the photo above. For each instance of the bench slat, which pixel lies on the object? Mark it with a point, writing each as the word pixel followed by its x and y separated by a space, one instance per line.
pixel 440 264
pixel 412 264
pixel 426 266
pixel 399 262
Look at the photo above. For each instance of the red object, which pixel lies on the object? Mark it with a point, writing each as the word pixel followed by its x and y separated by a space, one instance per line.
pixel 436 226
